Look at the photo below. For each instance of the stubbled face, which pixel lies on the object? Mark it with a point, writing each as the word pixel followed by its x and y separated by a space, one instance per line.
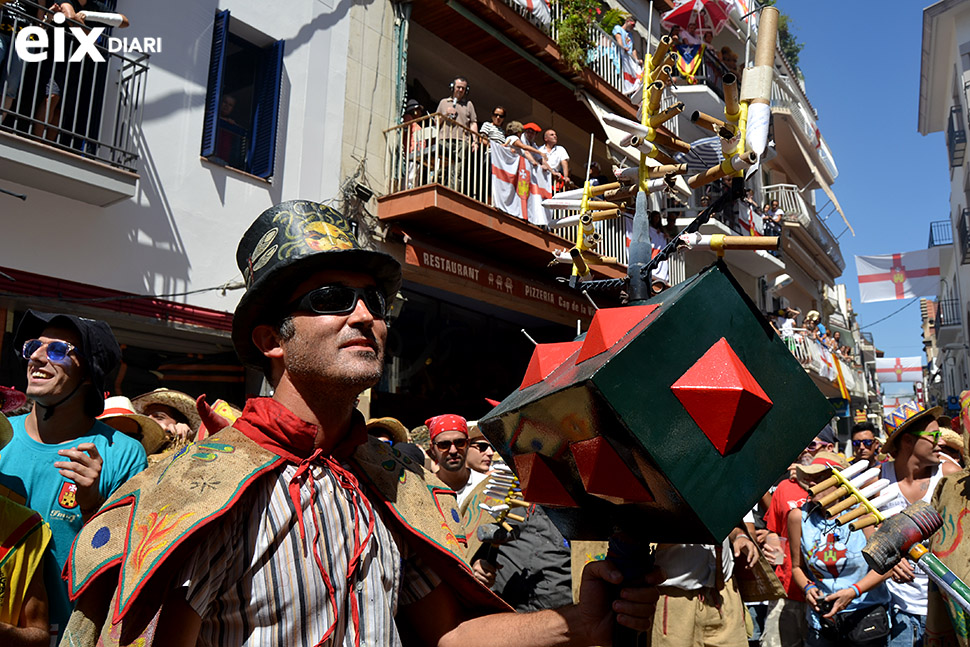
pixel 480 455
pixel 451 458
pixel 48 381
pixel 858 447
pixel 460 89
pixel 335 350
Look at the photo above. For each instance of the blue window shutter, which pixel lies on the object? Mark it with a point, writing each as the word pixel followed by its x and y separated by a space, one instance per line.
pixel 262 152
pixel 213 93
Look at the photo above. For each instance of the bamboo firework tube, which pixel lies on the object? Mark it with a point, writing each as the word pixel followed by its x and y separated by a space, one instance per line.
pixel 824 485
pixel 712 124
pixel 664 169
pixel 587 224
pixel 626 174
pixel 581 267
pixel 655 92
pixel 514 517
pixel 661 52
pixel 662 74
pixel 626 125
pixel 671 142
pixel 841 506
pixel 618 195
pixel 721 241
pixel 666 115
pixel 731 106
pixel 607 214
pixel 725 168
pixel 649 149
pixel 600 189
pixel 554 203
pixel 852 515
pixel 832 497
pixel 764 53
pixel 864 522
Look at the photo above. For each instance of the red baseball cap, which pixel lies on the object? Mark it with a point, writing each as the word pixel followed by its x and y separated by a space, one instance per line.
pixel 532 126
pixel 446 422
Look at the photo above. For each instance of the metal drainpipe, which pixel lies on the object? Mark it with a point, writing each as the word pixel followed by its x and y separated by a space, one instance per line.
pixel 402 19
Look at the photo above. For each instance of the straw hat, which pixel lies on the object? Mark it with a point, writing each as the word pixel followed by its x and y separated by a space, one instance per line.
pixel 806 475
pixel 952 439
pixel 6 431
pixel 903 418
pixel 181 402
pixel 120 414
pixel 474 431
pixel 11 399
pixel 397 431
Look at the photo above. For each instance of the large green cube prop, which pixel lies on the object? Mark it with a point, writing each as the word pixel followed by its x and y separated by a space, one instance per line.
pixel 669 420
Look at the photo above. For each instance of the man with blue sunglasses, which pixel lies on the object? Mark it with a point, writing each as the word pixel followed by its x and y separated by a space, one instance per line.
pixel 62 462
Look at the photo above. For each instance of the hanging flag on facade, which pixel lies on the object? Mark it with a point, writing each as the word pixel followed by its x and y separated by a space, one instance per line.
pixel 511 178
pixel 899 276
pixel 540 188
pixel 893 401
pixel 899 369
pixel 538 9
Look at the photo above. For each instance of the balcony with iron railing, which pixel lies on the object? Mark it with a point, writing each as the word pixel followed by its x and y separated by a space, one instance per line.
pixel 947 325
pixel 956 137
pixel 788 101
pixel 963 237
pixel 441 180
pixel 82 142
pixel 797 210
pixel 941 233
pixel 827 368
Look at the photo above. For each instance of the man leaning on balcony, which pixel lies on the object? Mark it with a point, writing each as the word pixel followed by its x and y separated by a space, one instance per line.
pixel 623 38
pixel 461 110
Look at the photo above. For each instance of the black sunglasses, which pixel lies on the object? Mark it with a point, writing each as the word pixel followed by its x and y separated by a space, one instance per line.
pixel 445 445
pixel 57 351
pixel 481 446
pixel 341 300
pixel 867 442
pixel 495 114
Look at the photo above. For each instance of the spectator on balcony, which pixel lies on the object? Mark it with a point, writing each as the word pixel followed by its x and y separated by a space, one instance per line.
pixel 493 129
pixel 459 109
pixel 596 176
pixel 788 327
pixel 729 59
pixel 557 158
pixel 515 139
pixel 624 40
pixel 689 36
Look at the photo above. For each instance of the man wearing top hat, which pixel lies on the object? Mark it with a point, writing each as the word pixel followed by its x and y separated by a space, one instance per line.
pixel 292 527
pixel 62 462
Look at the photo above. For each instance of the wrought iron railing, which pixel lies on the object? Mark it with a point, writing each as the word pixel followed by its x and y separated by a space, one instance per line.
pixel 88 107
pixel 941 233
pixel 798 210
pixel 436 150
pixel 827 365
pixel 963 235
pixel 956 137
pixel 947 313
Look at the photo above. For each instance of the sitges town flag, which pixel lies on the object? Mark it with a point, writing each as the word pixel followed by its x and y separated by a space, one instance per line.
pixel 899 369
pixel 511 178
pixel 899 276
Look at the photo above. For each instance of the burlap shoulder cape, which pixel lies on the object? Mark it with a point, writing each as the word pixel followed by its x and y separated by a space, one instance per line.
pixel 135 533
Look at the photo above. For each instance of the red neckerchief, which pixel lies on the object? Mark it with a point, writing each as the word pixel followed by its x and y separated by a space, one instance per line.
pixel 277 429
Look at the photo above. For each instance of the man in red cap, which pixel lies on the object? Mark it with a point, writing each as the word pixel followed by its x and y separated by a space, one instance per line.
pixel 292 527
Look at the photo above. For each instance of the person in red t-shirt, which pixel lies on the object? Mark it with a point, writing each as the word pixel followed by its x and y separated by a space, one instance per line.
pixel 786 621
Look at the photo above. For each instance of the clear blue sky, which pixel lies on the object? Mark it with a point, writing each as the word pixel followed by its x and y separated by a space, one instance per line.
pixel 861 63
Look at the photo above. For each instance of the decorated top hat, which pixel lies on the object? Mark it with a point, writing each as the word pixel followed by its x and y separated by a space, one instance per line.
pixel 286 244
pixel 905 417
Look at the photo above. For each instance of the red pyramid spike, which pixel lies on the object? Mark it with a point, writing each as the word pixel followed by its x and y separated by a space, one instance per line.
pixel 545 359
pixel 604 473
pixel 538 482
pixel 609 326
pixel 722 396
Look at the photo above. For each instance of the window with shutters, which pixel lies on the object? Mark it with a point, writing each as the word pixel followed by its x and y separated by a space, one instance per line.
pixel 242 98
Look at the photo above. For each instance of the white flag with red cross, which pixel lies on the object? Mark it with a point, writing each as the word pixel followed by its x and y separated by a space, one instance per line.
pixel 511 180
pixel 899 276
pixel 899 369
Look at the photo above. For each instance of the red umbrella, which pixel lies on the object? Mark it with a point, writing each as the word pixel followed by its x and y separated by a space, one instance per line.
pixel 704 14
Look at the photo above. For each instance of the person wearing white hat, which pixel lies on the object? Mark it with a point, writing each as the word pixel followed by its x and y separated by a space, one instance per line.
pixel 120 414
pixel 23 540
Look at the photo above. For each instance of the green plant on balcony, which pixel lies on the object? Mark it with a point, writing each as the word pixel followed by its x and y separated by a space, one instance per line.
pixel 611 18
pixel 573 30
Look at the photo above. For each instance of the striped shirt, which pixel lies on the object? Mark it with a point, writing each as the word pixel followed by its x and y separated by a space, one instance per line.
pixel 253 582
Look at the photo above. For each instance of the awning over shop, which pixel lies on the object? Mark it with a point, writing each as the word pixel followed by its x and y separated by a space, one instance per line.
pixel 822 184
pixel 632 155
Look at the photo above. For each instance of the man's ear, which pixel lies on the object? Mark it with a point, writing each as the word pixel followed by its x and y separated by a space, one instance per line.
pixel 267 340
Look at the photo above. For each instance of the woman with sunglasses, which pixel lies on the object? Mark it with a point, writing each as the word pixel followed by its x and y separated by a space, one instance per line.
pixel 494 129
